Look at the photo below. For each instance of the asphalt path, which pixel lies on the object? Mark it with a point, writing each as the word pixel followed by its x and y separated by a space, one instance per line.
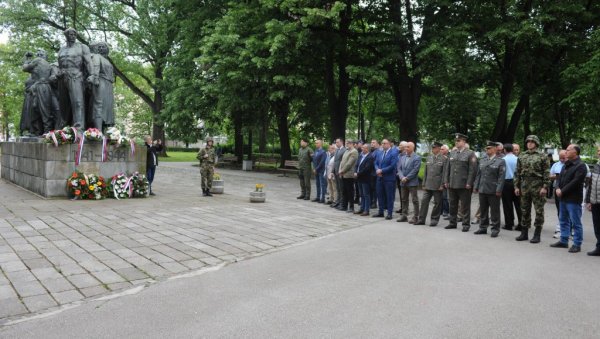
pixel 385 280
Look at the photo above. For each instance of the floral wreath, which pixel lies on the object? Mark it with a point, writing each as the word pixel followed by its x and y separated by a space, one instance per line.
pixel 93 134
pixel 140 185
pixel 67 135
pixel 121 187
pixel 86 187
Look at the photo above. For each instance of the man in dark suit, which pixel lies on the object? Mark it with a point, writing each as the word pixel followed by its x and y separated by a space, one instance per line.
pixel 375 150
pixel 362 173
pixel 385 167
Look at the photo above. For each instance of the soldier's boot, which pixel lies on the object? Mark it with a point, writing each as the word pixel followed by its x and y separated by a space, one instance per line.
pixel 524 235
pixel 203 192
pixel 208 194
pixel 536 235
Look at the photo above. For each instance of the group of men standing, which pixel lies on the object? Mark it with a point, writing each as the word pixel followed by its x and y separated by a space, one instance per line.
pixel 368 174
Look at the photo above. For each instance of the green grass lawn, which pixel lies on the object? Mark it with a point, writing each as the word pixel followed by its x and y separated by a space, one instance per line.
pixel 179 157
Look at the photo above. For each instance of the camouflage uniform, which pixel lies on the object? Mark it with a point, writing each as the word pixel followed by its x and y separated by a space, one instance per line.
pixel 531 175
pixel 207 167
pixel 305 170
pixel 460 172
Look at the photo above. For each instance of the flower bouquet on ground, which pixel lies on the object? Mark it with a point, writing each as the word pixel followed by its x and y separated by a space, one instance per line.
pixel 93 134
pixel 120 187
pixel 77 186
pixel 140 185
pixel 97 187
pixel 57 137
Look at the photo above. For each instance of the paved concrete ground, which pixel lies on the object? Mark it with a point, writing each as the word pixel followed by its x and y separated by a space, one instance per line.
pixel 384 280
pixel 56 252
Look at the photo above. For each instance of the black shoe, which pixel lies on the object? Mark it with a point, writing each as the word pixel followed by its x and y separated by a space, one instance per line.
pixel 495 233
pixel 358 212
pixel 508 228
pixel 315 200
pixel 378 215
pixel 307 198
pixel 208 194
pixel 480 231
pixel 524 235
pixel 574 249
pixel 536 235
pixel 334 205
pixel 300 197
pixel 398 211
pixel 433 224
pixel 419 223
pixel 329 202
pixel 559 244
pixel 203 193
pixel 350 210
pixel 594 253
pixel 340 208
pixel 151 193
pixel 466 228
pixel 449 227
pixel 388 217
pixel 402 219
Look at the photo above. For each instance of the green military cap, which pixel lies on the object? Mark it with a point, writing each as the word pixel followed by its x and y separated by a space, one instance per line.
pixel 533 138
pixel 437 144
pixel 460 136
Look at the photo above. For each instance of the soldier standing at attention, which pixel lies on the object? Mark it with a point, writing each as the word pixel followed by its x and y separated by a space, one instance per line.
pixel 489 184
pixel 207 157
pixel 304 169
pixel 458 178
pixel 531 184
pixel 433 185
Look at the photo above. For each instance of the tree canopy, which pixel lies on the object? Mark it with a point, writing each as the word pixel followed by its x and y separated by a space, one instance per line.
pixel 266 72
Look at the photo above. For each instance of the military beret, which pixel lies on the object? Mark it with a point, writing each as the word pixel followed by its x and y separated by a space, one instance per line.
pixel 437 144
pixel 461 136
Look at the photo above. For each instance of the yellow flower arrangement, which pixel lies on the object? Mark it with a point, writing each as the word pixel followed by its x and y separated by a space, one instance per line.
pixel 259 187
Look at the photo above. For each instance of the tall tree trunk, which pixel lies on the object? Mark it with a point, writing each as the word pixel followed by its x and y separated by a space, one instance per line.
pixel 527 120
pixel 509 135
pixel 158 128
pixel 250 143
pixel 239 138
pixel 262 138
pixel 282 111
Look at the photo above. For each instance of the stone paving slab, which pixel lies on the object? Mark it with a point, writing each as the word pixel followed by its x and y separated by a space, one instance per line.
pixel 55 252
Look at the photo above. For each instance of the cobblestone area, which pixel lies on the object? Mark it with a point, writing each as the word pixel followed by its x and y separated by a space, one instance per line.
pixel 57 252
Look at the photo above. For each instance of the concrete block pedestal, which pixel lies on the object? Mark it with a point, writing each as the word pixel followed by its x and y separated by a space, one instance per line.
pixel 44 168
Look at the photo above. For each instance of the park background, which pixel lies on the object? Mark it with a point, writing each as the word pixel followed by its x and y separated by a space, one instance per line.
pixel 263 73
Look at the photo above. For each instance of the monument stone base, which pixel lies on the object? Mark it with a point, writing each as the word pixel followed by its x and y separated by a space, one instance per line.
pixel 44 168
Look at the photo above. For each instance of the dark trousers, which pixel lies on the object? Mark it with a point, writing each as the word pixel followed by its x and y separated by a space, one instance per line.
pixel 445 203
pixel 437 205
pixel 304 176
pixel 348 193
pixel 509 199
pixel 596 221
pixel 321 185
pixel 373 190
pixel 150 176
pixel 339 186
pixel 386 193
pixel 464 196
pixel 399 193
pixel 489 203
pixel 365 196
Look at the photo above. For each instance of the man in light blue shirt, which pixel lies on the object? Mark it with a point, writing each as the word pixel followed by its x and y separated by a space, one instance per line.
pixel 554 172
pixel 509 199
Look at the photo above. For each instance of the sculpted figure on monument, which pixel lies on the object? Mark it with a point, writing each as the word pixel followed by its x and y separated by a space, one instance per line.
pixel 41 97
pixel 25 125
pixel 74 61
pixel 102 80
